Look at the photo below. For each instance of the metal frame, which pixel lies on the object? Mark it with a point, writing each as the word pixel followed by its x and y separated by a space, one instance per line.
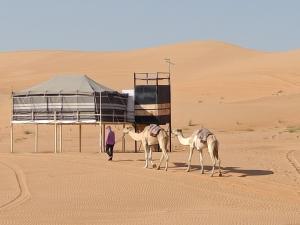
pixel 157 77
pixel 60 123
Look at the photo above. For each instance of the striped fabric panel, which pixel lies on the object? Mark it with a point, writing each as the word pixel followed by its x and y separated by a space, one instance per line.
pixel 159 112
pixel 153 106
pixel 67 105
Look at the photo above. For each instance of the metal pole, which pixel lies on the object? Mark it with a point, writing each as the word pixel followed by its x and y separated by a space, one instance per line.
pixel 134 86
pixel 11 137
pixel 103 138
pixel 100 124
pixel 12 125
pixel 100 137
pixel 60 139
pixel 36 138
pixel 55 133
pixel 55 137
pixel 79 137
pixel 123 140
pixel 170 133
pixel 135 142
pixel 170 123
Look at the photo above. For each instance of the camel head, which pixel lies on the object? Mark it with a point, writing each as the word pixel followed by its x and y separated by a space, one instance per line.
pixel 176 132
pixel 126 130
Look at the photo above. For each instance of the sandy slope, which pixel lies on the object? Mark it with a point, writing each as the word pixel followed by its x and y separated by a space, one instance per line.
pixel 86 189
pixel 250 99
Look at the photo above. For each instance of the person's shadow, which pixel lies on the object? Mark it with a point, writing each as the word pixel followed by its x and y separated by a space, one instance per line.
pixel 228 170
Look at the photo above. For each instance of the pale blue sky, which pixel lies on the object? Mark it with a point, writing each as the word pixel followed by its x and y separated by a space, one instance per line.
pixel 112 25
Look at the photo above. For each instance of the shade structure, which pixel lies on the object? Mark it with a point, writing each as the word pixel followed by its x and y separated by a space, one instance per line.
pixel 152 98
pixel 69 99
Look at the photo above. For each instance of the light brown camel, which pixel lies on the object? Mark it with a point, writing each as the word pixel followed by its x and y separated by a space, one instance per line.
pixel 194 141
pixel 149 141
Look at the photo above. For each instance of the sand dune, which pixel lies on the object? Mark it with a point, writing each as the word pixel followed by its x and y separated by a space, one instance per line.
pixel 249 99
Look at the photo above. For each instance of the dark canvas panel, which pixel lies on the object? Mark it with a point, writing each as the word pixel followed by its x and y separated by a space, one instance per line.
pixel 152 104
pixel 152 94
pixel 152 119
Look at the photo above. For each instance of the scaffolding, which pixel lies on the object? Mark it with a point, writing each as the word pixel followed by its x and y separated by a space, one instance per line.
pixel 152 100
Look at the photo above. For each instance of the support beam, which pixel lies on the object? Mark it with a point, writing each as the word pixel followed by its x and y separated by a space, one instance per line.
pixel 123 139
pixel 103 138
pixel 60 138
pixel 100 138
pixel 170 139
pixel 135 142
pixel 79 137
pixel 55 138
pixel 11 137
pixel 36 139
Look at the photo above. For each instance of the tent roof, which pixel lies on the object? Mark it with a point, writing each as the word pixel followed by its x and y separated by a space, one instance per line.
pixel 66 84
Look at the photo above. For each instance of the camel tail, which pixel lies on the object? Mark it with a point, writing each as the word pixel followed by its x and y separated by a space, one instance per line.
pixel 215 147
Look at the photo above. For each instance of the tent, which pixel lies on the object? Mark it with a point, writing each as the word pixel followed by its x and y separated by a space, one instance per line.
pixel 69 99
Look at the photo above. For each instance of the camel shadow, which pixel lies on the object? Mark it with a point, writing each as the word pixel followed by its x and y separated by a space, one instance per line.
pixel 247 172
pixel 229 170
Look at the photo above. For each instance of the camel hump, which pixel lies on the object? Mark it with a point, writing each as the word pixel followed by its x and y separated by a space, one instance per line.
pixel 203 134
pixel 154 130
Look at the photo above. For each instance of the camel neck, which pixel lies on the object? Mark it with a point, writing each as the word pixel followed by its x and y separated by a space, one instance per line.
pixel 135 136
pixel 183 140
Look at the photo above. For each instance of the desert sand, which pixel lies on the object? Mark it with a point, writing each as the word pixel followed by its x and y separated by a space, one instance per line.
pixel 248 98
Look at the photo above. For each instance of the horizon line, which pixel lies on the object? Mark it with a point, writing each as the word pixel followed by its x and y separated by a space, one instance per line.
pixel 149 47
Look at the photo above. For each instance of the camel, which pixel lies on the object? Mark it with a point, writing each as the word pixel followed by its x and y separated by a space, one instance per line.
pixel 148 142
pixel 194 141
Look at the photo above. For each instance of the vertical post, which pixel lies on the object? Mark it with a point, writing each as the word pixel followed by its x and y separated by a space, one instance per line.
pixel 60 138
pixel 55 133
pixel 123 140
pixel 134 82
pixel 11 124
pixel 100 137
pixel 11 137
pixel 135 142
pixel 55 137
pixel 170 133
pixel 79 137
pixel 100 124
pixel 170 123
pixel 147 75
pixel 36 141
pixel 134 87
pixel 103 138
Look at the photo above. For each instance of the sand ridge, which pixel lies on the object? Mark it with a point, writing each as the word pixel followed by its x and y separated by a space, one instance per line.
pixel 23 191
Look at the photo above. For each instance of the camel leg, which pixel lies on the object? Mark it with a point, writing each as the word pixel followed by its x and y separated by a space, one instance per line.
pixel 164 154
pixel 150 157
pixel 189 159
pixel 160 160
pixel 220 172
pixel 201 161
pixel 210 151
pixel 146 155
pixel 167 159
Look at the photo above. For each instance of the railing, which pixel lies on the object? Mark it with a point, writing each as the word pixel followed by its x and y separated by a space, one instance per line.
pixel 75 117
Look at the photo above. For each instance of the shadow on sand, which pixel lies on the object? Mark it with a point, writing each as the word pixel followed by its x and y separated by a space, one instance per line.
pixel 228 170
pixel 123 160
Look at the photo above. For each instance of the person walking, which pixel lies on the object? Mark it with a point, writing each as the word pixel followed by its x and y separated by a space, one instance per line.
pixel 110 142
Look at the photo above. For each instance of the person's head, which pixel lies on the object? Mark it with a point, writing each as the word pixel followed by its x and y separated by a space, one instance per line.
pixel 108 128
